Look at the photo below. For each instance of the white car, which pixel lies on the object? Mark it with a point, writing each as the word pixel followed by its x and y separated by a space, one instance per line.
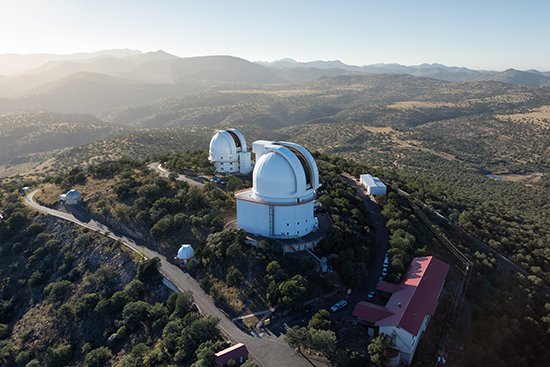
pixel 339 305
pixel 370 295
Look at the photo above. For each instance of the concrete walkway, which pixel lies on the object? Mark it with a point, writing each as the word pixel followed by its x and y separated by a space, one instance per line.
pixel 268 351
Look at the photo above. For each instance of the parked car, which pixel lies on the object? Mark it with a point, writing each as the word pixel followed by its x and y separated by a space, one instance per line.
pixel 384 272
pixel 380 279
pixel 370 295
pixel 387 261
pixel 339 305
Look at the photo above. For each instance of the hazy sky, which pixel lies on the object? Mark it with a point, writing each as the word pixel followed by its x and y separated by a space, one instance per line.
pixel 478 34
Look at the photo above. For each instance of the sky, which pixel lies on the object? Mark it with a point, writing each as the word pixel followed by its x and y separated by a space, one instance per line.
pixel 481 34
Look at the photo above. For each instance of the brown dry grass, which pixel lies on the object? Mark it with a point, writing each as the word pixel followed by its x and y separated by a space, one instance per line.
pixel 232 295
pixel 48 194
pixel 532 178
pixel 539 116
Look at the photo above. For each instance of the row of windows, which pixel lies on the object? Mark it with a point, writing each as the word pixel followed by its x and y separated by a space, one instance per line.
pixel 297 223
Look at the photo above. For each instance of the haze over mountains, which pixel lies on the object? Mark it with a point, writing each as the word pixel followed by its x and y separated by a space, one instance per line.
pixel 38 81
pixel 436 71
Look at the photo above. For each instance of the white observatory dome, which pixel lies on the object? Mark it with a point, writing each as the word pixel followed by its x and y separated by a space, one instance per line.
pixel 185 252
pixel 275 177
pixel 73 194
pixel 222 147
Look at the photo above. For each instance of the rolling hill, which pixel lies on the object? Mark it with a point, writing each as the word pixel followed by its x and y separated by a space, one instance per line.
pixel 25 134
pixel 436 71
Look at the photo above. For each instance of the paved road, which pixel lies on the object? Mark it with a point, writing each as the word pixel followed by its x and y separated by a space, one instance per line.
pixel 269 351
pixel 381 244
pixel 157 166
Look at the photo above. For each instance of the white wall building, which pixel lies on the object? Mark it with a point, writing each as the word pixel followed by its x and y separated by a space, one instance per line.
pixel 284 183
pixel 229 153
pixel 409 309
pixel 72 197
pixel 373 184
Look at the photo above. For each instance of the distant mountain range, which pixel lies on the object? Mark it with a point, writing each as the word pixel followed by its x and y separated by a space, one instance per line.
pixel 436 71
pixel 100 81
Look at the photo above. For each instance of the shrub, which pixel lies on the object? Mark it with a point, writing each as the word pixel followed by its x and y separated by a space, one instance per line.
pixel 98 357
pixel 59 355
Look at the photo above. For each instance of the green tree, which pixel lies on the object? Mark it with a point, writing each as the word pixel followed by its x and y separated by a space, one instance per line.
pixel 234 276
pixel 135 312
pixel 297 337
pixel 323 341
pixel 148 271
pixel 98 357
pixel 293 291
pixel 59 356
pixel 379 350
pixel 320 321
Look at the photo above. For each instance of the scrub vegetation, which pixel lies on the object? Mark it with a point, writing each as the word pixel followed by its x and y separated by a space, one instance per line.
pixel 74 298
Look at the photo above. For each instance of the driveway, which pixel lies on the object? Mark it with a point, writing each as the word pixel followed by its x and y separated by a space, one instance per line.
pixel 268 351
pixel 378 252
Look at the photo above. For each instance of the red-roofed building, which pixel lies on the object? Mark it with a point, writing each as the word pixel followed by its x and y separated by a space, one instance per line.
pixel 237 352
pixel 410 307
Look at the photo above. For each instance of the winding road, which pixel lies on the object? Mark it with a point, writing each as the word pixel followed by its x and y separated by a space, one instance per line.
pixel 157 167
pixel 268 350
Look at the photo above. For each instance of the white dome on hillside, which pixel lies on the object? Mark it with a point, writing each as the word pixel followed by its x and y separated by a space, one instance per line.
pixel 229 153
pixel 276 177
pixel 73 194
pixel 222 147
pixel 280 203
pixel 185 252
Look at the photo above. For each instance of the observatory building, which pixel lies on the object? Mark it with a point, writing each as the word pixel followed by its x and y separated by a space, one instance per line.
pixel 72 197
pixel 229 153
pixel 284 183
pixel 185 253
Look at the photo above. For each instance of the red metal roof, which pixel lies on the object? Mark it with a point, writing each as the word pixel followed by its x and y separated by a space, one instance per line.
pixel 370 312
pixel 389 287
pixel 416 296
pixel 234 352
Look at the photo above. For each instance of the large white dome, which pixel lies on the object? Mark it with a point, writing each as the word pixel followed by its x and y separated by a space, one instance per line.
pixel 186 252
pixel 275 177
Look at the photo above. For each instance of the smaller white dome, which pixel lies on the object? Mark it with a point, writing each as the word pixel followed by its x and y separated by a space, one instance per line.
pixel 185 252
pixel 73 194
pixel 222 147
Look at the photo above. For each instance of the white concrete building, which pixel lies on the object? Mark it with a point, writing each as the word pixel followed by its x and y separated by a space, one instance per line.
pixel 410 307
pixel 284 183
pixel 373 184
pixel 229 153
pixel 72 197
pixel 185 253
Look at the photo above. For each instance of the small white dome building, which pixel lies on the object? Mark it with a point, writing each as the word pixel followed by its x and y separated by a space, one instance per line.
pixel 72 197
pixel 185 253
pixel 284 183
pixel 229 153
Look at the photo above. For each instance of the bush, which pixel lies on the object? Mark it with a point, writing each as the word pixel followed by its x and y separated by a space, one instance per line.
pixel 135 312
pixel 59 355
pixel 58 291
pixel 148 271
pixel 98 357
pixel 234 276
